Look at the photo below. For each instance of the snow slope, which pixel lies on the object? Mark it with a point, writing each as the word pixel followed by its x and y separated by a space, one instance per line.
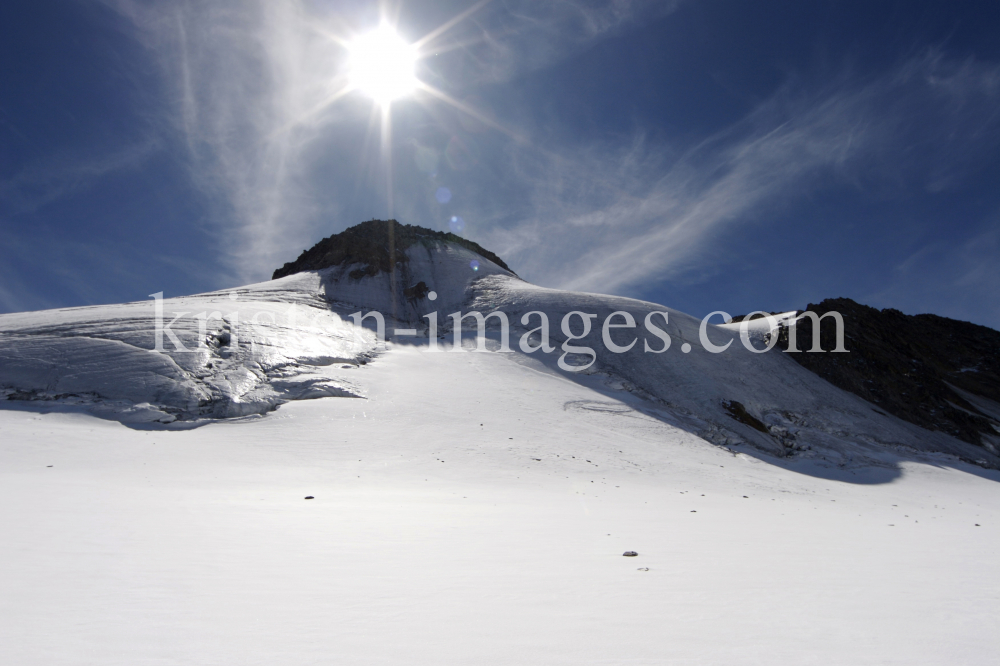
pixel 101 356
pixel 467 507
pixel 297 340
pixel 473 509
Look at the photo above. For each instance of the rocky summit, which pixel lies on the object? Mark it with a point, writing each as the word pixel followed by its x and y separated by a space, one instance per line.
pixel 378 246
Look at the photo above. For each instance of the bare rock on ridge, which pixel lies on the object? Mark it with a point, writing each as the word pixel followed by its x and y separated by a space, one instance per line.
pixel 939 373
pixel 379 245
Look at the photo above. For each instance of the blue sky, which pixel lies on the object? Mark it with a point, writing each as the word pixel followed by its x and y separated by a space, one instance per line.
pixel 705 155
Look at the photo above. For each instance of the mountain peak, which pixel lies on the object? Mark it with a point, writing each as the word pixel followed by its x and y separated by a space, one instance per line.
pixel 378 245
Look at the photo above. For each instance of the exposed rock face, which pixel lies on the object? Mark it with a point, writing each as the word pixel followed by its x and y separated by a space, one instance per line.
pixel 378 244
pixel 936 372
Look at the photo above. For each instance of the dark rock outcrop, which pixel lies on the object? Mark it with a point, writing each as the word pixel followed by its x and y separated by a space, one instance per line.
pixel 378 245
pixel 928 370
pixel 740 413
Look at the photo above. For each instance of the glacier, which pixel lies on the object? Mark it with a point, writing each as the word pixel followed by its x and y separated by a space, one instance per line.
pixel 295 339
pixel 464 507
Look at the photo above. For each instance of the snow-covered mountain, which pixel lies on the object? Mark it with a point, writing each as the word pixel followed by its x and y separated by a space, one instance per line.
pixel 464 508
pixel 245 351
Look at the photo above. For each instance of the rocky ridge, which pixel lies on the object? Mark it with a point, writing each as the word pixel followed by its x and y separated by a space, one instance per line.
pixel 938 373
pixel 378 245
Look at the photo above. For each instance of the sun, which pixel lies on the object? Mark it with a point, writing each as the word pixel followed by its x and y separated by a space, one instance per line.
pixel 382 65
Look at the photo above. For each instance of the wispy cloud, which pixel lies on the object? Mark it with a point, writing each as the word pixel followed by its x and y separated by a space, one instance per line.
pixel 515 36
pixel 53 178
pixel 247 79
pixel 15 295
pixel 956 278
pixel 608 218
pixel 241 80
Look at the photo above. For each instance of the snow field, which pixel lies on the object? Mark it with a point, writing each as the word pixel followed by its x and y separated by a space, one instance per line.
pixel 434 539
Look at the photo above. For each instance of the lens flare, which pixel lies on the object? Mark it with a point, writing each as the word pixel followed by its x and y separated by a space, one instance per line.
pixel 474 265
pixel 456 224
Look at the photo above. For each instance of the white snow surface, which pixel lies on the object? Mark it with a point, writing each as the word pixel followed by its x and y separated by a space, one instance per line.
pixel 474 509
pixel 468 507
pixel 296 340
pixel 103 356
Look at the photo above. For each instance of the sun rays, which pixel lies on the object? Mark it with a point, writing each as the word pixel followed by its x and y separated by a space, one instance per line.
pixel 382 65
